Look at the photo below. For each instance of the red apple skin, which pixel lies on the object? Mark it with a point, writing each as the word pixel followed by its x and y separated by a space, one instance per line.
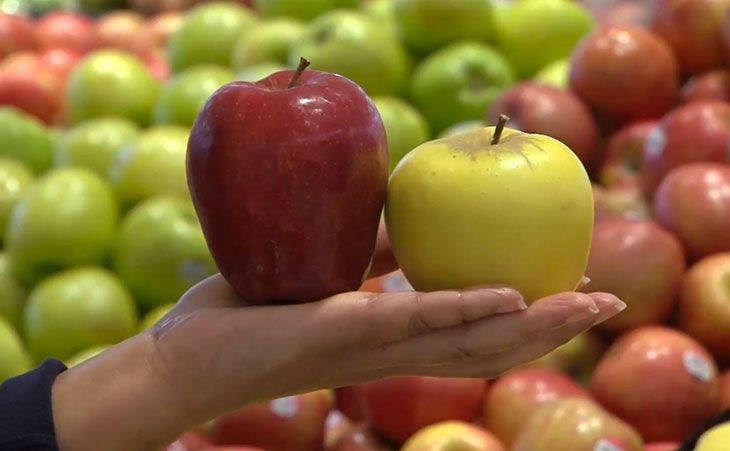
pixel 725 390
pixel 233 448
pixel 641 263
pixel 360 438
pixel 125 30
pixel 30 84
pixel 697 131
pixel 621 12
pixel 190 441
pixel 157 64
pixel 712 85
pixel 515 396
pixel 16 35
pixel 704 306
pixel 625 72
pixel 622 158
pixel 295 423
pixel 661 446
pixel 67 30
pixel 289 184
pixel 659 380
pixel 549 110
pixel 693 202
pixel 621 201
pixel 162 26
pixel 398 407
pixel 350 400
pixel 692 29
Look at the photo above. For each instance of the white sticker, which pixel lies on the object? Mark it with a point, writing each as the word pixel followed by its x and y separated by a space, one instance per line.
pixel 698 366
pixel 284 407
pixel 608 445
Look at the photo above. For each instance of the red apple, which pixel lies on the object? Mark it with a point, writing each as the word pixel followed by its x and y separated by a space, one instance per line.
pixel 62 61
pixel 514 397
pixel 350 400
pixel 125 30
pixel 641 263
pixel 619 12
pixel 190 441
pixel 294 423
pixel 704 306
pixel 622 201
pixel 622 159
pixel 697 131
pixel 398 407
pixel 662 446
pixel 67 30
pixel 16 34
pixel 289 184
pixel 453 435
pixel 360 438
pixel 336 426
pixel 693 202
pixel 549 110
pixel 712 85
pixel 163 25
pixel 692 29
pixel 157 64
pixel 659 380
pixel 625 72
pixel 725 390
pixel 28 83
pixel 233 448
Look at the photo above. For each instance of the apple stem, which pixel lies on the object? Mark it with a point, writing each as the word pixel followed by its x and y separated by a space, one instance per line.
pixel 503 118
pixel 303 64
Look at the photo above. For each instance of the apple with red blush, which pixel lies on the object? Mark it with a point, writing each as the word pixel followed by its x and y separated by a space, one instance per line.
pixel 662 446
pixel 623 153
pixel 624 201
pixel 725 390
pixel 350 400
pixel 712 85
pixel 163 25
pixel 359 438
pixel 125 30
pixel 29 83
pixel 67 30
pixel 16 34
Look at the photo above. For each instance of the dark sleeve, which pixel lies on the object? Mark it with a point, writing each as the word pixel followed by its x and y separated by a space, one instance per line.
pixel 26 416
pixel 690 443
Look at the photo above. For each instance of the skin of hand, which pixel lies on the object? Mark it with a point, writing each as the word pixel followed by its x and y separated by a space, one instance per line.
pixel 214 353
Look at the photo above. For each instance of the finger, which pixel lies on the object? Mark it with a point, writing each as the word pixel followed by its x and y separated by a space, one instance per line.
pixel 212 292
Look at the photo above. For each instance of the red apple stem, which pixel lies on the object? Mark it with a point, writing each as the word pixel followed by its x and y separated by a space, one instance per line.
pixel 303 64
pixel 503 118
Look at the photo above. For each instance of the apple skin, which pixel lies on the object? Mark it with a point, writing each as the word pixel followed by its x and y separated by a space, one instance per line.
pixel 267 42
pixel 67 30
pixel 298 9
pixel 712 85
pixel 259 71
pixel 576 358
pixel 642 264
pixel 398 407
pixel 294 423
pixel 693 202
pixel 625 73
pixel 662 446
pixel 15 179
pixel 461 127
pixel 725 390
pixel 361 438
pixel 14 358
pixel 190 441
pixel 697 131
pixel 125 30
pixel 350 400
pixel 620 12
pixel 12 295
pixel 451 435
pixel 84 355
pixel 539 108
pixel 24 139
pixel 29 83
pixel 237 146
pixel 16 34
pixel 577 424
pixel 659 380
pixel 514 398
pixel 554 74
pixel 154 316
pixel 163 25
pixel 692 28
pixel 624 150
pixel 405 127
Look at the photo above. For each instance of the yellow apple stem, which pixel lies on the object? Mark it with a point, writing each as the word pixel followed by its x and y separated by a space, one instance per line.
pixel 303 64
pixel 503 118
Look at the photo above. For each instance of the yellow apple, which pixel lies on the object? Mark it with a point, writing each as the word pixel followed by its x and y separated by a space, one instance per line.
pixel 715 439
pixel 453 435
pixel 491 206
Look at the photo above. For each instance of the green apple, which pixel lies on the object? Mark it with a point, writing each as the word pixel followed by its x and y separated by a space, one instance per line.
pixel 383 12
pixel 555 73
pixel 12 294
pixel 15 179
pixel 95 143
pixel 25 139
pixel 111 83
pixel 300 9
pixel 405 128
pixel 67 218
pixel 76 309
pixel 155 315
pixel 474 209
pixel 352 44
pixel 259 71
pixel 40 7
pixel 459 83
pixel 183 96
pixel 160 251
pixel 14 359
pixel 86 354
pixel 152 165
pixel 268 42
pixel 207 34
pixel 534 33
pixel 462 127
pixel 427 25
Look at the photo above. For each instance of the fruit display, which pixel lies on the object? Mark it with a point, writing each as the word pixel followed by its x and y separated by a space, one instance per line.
pixel 548 145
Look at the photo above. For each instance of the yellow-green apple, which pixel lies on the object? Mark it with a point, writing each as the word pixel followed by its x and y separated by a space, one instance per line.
pixel 293 423
pixel 398 407
pixel 259 71
pixel 548 110
pixel 514 398
pixel 257 185
pixel 268 42
pixel 208 33
pixel 30 84
pixel 160 251
pixel 111 83
pixel 623 153
pixel 125 30
pixel 15 179
pixel 350 400
pixel 461 127
pixel 76 309
pixel 382 11
pixel 662 446
pixel 459 83
pixel 14 358
pixel 704 305
pixel 641 263
pixel 725 390
pixel 16 34
pixel 533 33
pixel 154 316
pixel 193 441
pixel 426 25
pixel 151 165
pixel 182 97
pixel 625 73
pixel 352 44
pixel 66 218
pixel 163 25
pixel 712 85
pixel 660 380
pixel 443 213
pixel 405 127
pixel 359 438
pixel 693 30
pixel 450 435
pixel 84 355
pixel 66 29
pixel 576 358
pixel 715 438
pixel 555 73
pixel 24 139
pixel 693 201
pixel 12 294
pixel 298 9
pixel 577 424
pixel 697 131
pixel 95 143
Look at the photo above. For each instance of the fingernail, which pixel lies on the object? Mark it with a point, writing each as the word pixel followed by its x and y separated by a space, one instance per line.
pixel 584 281
pixel 610 306
pixel 515 306
pixel 589 310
